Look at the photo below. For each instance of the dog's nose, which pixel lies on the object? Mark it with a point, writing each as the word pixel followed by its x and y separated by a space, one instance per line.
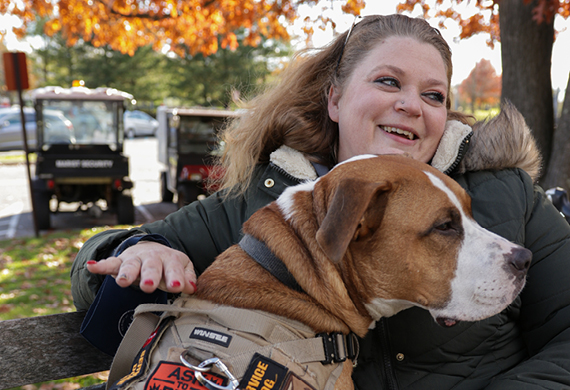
pixel 519 261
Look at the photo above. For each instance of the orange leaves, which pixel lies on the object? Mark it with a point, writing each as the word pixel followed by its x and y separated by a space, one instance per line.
pixel 408 5
pixel 187 26
pixel 353 7
pixel 545 10
pixel 482 86
pixel 473 25
pixel 487 20
pixel 230 41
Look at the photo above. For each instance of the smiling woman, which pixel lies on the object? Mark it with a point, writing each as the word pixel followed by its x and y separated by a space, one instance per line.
pixel 392 103
pixel 384 89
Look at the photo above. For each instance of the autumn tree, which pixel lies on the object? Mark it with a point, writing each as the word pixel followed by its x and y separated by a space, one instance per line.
pixel 185 26
pixel 189 80
pixel 482 86
pixel 525 29
pixel 219 78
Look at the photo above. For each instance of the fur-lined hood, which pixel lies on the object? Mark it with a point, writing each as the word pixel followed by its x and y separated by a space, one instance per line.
pixel 504 141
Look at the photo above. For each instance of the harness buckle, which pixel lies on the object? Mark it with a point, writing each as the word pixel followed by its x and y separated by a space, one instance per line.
pixel 338 347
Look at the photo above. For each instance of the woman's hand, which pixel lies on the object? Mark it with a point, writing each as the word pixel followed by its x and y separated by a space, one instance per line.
pixel 153 265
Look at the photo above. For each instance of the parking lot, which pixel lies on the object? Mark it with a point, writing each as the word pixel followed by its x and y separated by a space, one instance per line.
pixel 15 208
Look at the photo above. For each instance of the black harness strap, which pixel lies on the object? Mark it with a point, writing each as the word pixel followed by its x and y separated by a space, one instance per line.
pixel 267 259
pixel 337 347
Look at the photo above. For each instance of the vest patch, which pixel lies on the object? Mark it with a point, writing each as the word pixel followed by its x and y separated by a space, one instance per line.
pixel 211 336
pixel 176 376
pixel 141 364
pixel 263 374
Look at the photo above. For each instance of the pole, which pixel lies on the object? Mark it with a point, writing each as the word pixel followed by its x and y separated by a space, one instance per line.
pixel 25 138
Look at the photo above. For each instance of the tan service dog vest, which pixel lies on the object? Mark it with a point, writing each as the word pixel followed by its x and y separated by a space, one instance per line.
pixel 261 350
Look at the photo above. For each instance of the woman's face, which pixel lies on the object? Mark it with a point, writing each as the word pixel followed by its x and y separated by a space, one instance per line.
pixel 393 102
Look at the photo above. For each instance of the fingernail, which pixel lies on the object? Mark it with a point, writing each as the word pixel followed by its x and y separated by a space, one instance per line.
pixel 148 282
pixel 176 283
pixel 90 262
pixel 122 276
pixel 193 285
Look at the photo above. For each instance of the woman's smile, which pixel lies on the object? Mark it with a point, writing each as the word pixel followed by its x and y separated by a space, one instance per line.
pixel 399 132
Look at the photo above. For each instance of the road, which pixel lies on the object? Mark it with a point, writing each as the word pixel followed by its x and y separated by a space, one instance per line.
pixel 15 207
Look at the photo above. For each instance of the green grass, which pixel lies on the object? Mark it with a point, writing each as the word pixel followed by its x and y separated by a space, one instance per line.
pixel 16 158
pixel 34 281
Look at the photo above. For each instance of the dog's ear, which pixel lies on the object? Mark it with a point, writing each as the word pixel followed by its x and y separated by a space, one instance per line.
pixel 355 212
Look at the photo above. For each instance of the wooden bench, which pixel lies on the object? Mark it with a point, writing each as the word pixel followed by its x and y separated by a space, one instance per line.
pixel 45 348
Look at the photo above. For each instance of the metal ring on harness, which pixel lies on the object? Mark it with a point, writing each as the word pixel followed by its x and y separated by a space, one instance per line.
pixel 206 366
pixel 189 365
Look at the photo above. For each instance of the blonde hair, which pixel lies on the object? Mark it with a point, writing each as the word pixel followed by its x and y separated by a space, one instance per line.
pixel 294 112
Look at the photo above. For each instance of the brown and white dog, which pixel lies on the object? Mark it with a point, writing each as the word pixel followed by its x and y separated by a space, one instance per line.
pixel 376 235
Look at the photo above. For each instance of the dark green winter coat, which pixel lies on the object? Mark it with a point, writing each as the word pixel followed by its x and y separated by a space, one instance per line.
pixel 527 346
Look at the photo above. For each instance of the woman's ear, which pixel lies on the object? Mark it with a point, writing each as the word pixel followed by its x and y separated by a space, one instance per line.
pixel 333 100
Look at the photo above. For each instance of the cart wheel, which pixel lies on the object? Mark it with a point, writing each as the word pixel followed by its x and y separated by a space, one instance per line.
pixel 125 210
pixel 42 209
pixel 165 194
pixel 187 194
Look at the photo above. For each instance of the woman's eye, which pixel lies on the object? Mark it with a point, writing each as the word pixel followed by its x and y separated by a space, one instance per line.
pixel 390 81
pixel 436 96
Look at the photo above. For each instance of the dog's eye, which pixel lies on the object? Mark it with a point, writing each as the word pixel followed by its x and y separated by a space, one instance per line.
pixel 448 228
pixel 444 226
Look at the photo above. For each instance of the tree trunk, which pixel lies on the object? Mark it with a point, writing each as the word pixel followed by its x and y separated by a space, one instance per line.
pixel 558 173
pixel 526 53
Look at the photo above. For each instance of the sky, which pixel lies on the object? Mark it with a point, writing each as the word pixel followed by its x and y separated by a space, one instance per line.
pixel 466 53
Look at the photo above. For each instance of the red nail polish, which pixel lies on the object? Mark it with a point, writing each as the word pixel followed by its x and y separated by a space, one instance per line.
pixel 176 283
pixel 90 262
pixel 193 285
pixel 148 282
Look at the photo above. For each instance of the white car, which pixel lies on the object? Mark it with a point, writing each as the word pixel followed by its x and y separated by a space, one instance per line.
pixel 139 123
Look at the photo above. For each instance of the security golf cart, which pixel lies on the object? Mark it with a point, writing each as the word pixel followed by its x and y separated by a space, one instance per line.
pixel 187 143
pixel 80 160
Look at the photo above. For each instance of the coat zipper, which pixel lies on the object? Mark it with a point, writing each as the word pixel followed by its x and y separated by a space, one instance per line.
pixel 386 361
pixel 285 173
pixel 460 153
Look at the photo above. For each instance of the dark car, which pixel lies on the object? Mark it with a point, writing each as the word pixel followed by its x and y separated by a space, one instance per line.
pixel 58 129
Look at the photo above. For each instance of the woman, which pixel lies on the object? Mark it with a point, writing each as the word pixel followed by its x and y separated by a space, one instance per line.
pixel 383 87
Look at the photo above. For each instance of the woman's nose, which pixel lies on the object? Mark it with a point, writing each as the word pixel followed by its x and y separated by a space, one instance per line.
pixel 408 104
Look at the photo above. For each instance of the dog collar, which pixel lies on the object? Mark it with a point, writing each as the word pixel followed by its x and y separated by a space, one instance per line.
pixel 337 347
pixel 258 251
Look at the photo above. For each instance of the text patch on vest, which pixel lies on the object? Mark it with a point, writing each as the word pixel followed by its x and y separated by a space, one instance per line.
pixel 263 374
pixel 176 376
pixel 211 336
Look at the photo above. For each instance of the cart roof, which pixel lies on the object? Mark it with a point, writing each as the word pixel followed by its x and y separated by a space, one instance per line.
pixel 204 112
pixel 79 93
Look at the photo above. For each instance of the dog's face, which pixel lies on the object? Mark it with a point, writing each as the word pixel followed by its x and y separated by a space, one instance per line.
pixel 402 234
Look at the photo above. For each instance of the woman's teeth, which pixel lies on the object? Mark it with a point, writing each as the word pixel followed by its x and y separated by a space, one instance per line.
pixel 405 133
